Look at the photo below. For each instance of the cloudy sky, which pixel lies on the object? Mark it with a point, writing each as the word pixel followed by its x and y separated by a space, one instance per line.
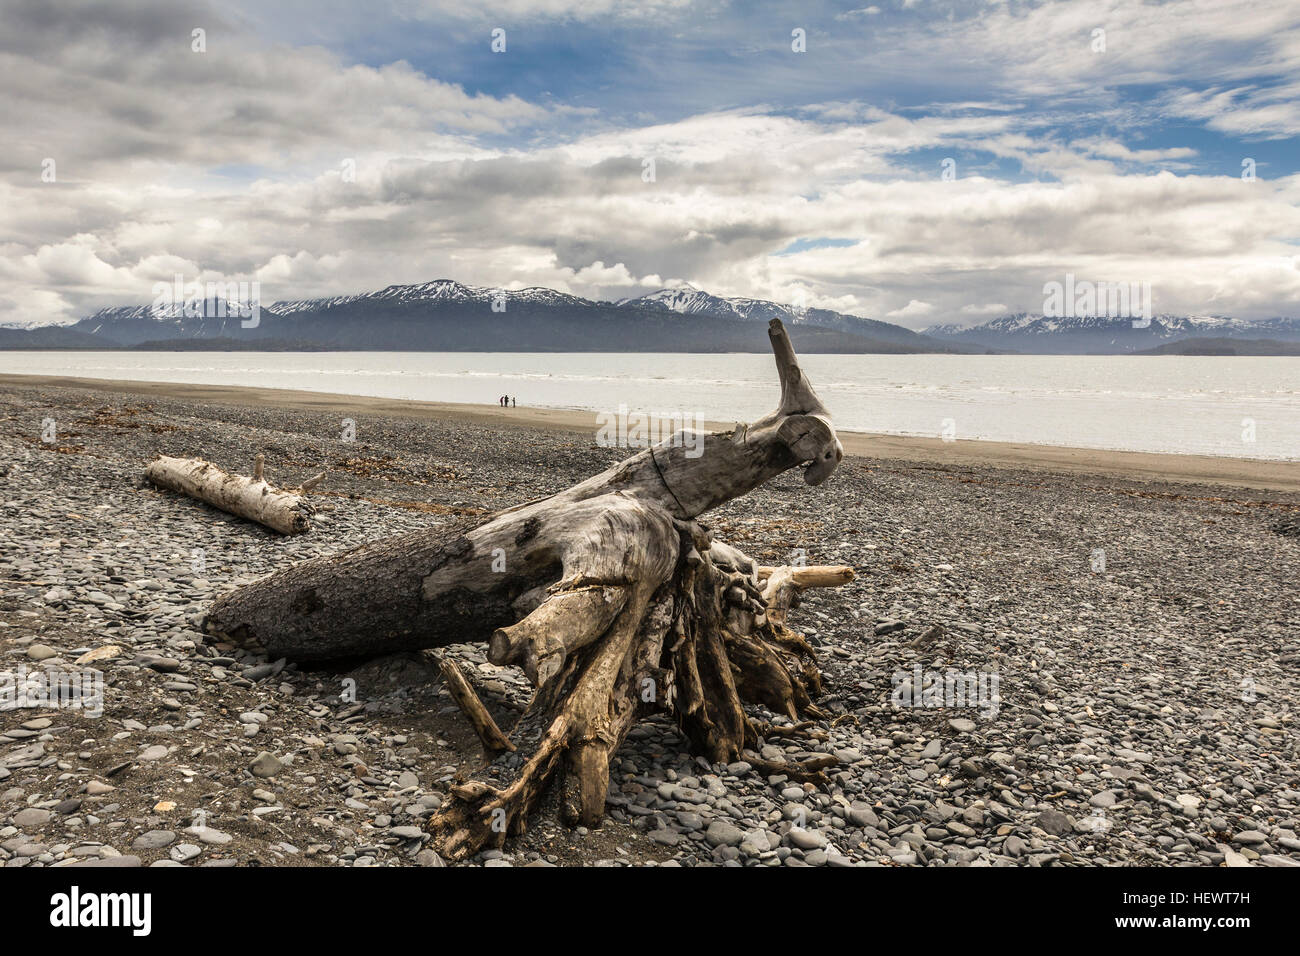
pixel 324 148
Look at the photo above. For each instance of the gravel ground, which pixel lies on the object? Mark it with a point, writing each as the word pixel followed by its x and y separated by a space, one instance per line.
pixel 1138 706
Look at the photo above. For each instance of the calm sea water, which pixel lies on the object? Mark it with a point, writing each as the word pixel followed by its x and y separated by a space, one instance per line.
pixel 1237 406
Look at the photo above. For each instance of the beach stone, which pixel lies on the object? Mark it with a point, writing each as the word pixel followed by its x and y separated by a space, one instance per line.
pixel 109 861
pixel 722 833
pixel 757 842
pixel 1054 822
pixel 806 839
pixel 1231 858
pixel 862 816
pixel 209 835
pixel 154 840
pixel 32 817
pixel 265 765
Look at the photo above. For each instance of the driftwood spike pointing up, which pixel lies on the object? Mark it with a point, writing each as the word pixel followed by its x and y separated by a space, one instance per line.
pixel 801 412
pixel 462 692
pixel 797 395
pixel 311 483
pixel 611 597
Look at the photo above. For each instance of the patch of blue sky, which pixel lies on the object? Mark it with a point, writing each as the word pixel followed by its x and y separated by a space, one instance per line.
pixel 823 242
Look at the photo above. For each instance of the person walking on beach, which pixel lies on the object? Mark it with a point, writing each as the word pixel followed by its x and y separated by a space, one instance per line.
pixel 514 401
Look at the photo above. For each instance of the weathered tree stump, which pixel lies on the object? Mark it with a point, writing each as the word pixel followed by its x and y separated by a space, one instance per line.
pixel 613 599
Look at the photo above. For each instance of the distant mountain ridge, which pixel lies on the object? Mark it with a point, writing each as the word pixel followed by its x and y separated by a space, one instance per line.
pixel 688 300
pixel 1029 332
pixel 445 315
pixel 1210 345
pixel 48 337
pixel 439 290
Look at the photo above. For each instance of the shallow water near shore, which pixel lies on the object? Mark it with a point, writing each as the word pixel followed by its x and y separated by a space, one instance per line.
pixel 1234 406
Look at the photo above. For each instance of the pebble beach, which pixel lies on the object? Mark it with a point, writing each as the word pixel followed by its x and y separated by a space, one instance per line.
pixel 1130 645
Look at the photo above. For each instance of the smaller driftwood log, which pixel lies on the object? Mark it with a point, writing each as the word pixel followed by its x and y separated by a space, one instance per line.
pixel 283 510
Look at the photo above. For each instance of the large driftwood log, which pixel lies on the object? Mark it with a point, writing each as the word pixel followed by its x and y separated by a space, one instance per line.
pixel 286 511
pixel 614 600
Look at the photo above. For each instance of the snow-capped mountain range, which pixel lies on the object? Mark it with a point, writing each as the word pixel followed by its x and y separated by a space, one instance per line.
pixel 446 315
pixel 439 290
pixel 1027 332
pixel 688 300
